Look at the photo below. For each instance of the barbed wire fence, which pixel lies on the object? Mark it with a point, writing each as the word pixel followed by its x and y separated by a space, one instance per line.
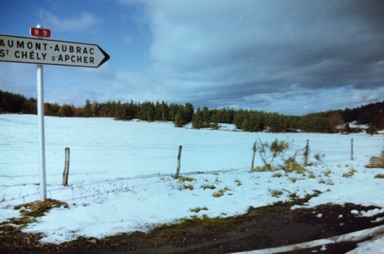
pixel 123 180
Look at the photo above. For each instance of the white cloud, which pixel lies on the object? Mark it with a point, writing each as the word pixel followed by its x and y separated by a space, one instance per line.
pixel 83 21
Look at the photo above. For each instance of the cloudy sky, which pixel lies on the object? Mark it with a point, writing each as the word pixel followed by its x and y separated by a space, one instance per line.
pixel 285 56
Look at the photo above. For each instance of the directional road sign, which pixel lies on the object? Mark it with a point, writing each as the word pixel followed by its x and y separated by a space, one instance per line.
pixel 39 51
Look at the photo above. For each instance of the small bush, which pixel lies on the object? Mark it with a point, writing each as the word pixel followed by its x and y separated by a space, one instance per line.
pixel 277 175
pixel 327 172
pixel 220 192
pixel 292 166
pixel 238 182
pixel 327 182
pixel 372 130
pixel 381 176
pixel 276 193
pixel 198 209
pixel 350 173
pixel 269 152
pixel 265 168
pixel 186 179
pixel 319 157
pixel 311 175
pixel 293 196
pixel 185 187
pixel 206 186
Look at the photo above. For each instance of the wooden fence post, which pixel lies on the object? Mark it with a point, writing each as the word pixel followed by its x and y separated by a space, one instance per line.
pixel 254 148
pixel 306 153
pixel 351 148
pixel 178 162
pixel 66 167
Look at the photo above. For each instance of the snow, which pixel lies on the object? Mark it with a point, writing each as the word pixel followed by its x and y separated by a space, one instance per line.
pixel 120 175
pixel 372 246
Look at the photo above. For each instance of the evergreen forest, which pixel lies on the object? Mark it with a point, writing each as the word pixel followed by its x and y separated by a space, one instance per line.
pixel 332 121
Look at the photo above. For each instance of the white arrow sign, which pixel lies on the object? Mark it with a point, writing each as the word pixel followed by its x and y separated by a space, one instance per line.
pixel 40 51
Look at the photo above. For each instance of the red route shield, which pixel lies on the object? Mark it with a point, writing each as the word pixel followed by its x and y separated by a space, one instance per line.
pixel 40 32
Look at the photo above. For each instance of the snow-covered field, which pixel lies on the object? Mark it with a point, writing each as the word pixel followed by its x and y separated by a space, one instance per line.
pixel 121 173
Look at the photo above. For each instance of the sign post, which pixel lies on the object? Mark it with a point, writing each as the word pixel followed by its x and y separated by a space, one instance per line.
pixel 39 51
pixel 40 116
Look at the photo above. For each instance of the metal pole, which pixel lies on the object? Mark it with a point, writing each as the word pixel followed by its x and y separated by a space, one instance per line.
pixel 40 116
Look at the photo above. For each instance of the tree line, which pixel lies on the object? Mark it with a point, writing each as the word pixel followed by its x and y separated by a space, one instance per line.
pixel 179 114
pixel 247 120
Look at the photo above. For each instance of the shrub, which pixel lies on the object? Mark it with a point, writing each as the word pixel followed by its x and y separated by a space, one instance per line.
pixel 276 193
pixel 372 130
pixel 206 186
pixel 186 179
pixel 327 172
pixel 327 182
pixel 277 175
pixel 238 182
pixel 265 168
pixel 185 187
pixel 220 192
pixel 311 175
pixel 319 157
pixel 350 173
pixel 198 209
pixel 292 166
pixel 293 196
pixel 269 152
